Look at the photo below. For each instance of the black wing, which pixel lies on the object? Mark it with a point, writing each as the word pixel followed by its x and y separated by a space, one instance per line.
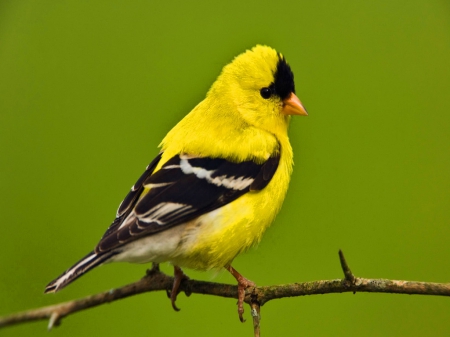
pixel 184 188
pixel 127 204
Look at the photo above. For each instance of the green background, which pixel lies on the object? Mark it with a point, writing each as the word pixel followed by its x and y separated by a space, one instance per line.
pixel 89 88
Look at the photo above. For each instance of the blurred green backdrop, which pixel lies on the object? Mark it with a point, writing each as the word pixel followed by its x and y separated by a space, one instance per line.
pixel 89 88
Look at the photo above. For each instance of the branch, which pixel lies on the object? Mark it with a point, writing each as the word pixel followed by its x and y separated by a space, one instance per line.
pixel 256 297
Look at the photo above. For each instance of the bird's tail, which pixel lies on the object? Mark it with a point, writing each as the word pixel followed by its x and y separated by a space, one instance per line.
pixel 88 262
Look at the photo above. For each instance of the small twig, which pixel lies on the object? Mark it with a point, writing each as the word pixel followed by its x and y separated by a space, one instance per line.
pixel 347 272
pixel 256 315
pixel 256 297
pixel 53 321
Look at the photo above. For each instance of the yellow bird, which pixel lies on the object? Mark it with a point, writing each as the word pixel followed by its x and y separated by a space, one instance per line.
pixel 218 182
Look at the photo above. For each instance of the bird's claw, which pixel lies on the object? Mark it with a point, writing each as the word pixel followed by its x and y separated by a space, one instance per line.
pixel 243 284
pixel 174 306
pixel 178 277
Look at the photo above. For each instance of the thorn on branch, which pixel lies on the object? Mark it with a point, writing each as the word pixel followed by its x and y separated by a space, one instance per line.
pixel 346 269
pixel 55 320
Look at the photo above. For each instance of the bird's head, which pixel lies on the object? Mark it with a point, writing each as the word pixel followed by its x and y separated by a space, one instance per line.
pixel 259 84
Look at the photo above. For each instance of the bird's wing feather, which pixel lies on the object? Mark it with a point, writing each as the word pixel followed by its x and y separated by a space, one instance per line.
pixel 127 204
pixel 184 188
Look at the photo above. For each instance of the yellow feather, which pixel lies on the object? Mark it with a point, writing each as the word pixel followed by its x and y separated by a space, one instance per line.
pixel 233 122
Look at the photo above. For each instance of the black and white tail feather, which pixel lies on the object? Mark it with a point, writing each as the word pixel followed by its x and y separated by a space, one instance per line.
pixel 185 188
pixel 84 265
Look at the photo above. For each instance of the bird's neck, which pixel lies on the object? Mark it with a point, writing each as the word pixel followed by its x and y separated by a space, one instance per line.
pixel 215 131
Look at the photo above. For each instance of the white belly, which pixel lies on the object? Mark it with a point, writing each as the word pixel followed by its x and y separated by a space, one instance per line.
pixel 154 248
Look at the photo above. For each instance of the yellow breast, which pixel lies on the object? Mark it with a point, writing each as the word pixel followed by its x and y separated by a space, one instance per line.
pixel 215 239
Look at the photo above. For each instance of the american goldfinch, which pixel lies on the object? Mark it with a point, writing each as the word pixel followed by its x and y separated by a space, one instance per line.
pixel 218 181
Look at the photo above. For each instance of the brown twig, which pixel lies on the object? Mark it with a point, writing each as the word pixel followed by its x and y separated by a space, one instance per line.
pixel 256 315
pixel 256 297
pixel 345 268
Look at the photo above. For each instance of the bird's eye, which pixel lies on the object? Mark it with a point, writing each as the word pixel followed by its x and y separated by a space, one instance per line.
pixel 266 93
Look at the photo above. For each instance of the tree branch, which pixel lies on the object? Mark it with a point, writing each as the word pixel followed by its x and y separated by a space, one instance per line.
pixel 256 297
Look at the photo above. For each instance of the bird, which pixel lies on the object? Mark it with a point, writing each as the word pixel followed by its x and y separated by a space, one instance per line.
pixel 218 182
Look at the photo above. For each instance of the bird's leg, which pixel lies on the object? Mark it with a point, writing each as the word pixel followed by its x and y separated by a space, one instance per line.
pixel 178 277
pixel 243 284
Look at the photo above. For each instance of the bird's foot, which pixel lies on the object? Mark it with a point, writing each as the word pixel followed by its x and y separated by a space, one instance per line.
pixel 243 284
pixel 178 277
pixel 154 270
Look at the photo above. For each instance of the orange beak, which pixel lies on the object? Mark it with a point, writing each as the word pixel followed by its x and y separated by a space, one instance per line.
pixel 293 106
